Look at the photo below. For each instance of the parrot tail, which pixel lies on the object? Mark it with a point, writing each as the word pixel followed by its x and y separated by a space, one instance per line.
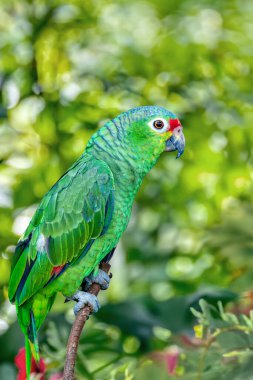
pixel 27 322
pixel 31 346
pixel 31 352
pixel 28 357
pixel 26 363
pixel 27 360
pixel 31 314
pixel 33 338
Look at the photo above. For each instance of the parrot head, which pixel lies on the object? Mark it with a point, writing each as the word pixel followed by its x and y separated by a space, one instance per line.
pixel 138 136
pixel 155 129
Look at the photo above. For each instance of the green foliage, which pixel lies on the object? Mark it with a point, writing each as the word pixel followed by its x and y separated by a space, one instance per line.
pixel 65 68
pixel 225 341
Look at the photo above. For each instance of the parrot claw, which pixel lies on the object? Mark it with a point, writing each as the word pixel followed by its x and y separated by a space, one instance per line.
pixel 83 299
pixel 102 278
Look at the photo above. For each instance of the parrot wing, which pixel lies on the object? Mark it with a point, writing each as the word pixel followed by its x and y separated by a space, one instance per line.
pixel 76 210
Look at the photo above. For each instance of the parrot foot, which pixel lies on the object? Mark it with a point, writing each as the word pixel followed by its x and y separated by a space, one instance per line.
pixel 102 278
pixel 83 299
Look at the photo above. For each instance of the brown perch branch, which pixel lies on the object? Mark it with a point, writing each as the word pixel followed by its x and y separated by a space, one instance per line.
pixel 76 330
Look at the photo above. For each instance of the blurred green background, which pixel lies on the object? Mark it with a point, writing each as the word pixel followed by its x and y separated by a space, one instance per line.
pixel 66 68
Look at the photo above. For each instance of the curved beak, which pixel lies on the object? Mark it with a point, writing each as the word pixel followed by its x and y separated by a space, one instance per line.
pixel 176 142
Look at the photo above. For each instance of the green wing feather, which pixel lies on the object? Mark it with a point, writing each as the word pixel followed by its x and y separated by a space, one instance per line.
pixel 75 211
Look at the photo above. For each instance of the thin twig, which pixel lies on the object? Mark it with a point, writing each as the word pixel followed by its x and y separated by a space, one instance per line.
pixel 203 357
pixel 76 330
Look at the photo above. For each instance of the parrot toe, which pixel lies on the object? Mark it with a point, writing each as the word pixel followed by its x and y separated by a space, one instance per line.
pixel 102 278
pixel 83 299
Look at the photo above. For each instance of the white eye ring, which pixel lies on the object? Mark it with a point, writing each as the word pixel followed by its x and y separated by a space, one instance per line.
pixel 162 122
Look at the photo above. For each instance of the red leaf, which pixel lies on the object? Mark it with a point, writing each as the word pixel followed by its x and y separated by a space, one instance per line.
pixel 39 368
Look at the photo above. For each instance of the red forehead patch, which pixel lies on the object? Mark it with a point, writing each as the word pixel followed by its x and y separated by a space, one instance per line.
pixel 174 123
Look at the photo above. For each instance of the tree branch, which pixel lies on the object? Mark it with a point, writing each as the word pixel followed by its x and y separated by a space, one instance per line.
pixel 76 330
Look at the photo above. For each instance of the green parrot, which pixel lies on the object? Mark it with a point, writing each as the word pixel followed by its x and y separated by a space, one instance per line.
pixel 82 217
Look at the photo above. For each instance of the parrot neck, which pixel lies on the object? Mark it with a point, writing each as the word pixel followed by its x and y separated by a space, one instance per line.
pixel 128 165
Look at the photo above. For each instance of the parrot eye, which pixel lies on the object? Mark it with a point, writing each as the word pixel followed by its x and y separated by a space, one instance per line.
pixel 159 125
